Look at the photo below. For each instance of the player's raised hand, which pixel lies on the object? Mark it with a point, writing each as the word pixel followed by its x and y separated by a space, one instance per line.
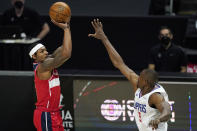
pixel 61 25
pixel 98 27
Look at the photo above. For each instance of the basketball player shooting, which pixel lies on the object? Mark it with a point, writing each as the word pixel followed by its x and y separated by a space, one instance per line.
pixel 151 107
pixel 47 115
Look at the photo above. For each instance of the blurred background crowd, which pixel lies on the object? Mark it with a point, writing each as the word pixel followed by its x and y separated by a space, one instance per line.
pixel 156 34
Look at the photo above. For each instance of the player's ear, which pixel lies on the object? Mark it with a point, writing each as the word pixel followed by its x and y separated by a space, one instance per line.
pixel 34 56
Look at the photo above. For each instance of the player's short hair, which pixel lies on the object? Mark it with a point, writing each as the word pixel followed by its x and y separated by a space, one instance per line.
pixel 151 77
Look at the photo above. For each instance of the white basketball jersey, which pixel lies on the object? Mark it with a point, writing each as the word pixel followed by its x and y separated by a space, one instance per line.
pixel 144 113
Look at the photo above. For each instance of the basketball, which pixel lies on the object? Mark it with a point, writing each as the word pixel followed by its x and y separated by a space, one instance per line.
pixel 60 12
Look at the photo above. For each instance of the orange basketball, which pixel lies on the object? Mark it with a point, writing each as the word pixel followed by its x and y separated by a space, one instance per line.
pixel 60 12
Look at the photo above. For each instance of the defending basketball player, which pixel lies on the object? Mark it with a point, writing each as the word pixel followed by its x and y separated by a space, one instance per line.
pixel 47 115
pixel 151 107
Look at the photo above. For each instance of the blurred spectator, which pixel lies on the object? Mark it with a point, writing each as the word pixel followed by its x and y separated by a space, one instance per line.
pixel 166 56
pixel 28 19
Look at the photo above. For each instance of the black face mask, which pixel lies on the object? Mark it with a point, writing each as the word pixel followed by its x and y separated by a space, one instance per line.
pixel 18 4
pixel 165 40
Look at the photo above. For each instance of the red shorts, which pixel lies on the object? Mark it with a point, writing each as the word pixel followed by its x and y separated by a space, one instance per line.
pixel 48 121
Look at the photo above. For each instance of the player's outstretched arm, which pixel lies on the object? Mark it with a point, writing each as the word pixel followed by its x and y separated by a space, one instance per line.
pixel 163 106
pixel 113 54
pixel 62 53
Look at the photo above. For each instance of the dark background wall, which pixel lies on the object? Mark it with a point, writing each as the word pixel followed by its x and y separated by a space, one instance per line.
pixel 130 29
pixel 18 100
pixel 90 7
pixel 131 36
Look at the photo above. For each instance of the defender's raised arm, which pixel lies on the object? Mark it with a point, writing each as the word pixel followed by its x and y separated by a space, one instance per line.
pixel 113 54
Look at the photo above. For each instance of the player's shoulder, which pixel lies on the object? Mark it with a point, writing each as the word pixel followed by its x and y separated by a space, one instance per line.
pixel 137 90
pixel 157 85
pixel 156 97
pixel 43 71
pixel 157 91
pixel 158 88
pixel 45 66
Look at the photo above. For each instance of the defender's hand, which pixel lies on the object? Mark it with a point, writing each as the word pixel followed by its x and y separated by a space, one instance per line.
pixel 98 27
pixel 154 123
pixel 61 25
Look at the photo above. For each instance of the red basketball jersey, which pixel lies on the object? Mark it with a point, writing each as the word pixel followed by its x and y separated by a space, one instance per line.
pixel 48 91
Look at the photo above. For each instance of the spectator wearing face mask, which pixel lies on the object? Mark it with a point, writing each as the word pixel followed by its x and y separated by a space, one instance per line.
pixel 166 56
pixel 28 19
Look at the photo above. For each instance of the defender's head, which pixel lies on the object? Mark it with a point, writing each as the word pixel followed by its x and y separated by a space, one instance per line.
pixel 38 52
pixel 148 78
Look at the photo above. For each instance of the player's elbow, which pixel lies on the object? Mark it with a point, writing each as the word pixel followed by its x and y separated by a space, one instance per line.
pixel 66 54
pixel 118 64
pixel 168 114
